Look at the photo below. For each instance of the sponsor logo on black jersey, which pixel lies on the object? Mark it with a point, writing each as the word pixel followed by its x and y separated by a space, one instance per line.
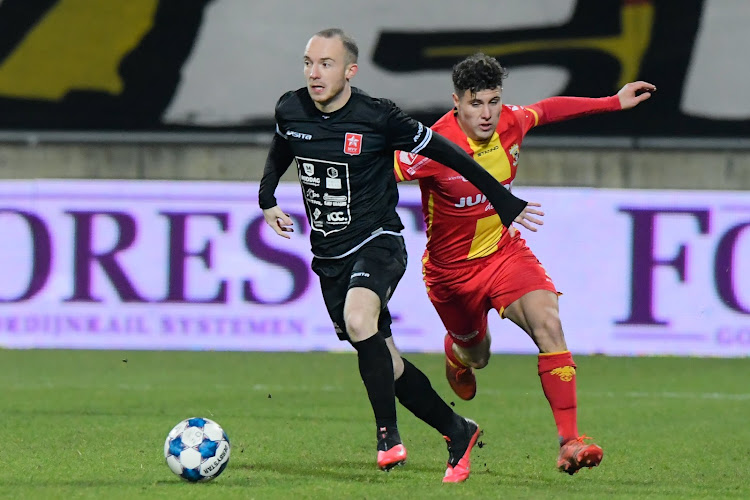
pixel 327 194
pixel 310 196
pixel 337 218
pixel 309 180
pixel 299 135
pixel 419 132
pixel 330 200
pixel 332 181
pixel 352 143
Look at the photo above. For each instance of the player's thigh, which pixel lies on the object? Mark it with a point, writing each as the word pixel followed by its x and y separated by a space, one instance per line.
pixel 361 313
pixel 379 266
pixel 515 276
pixel 535 309
pixel 334 285
pixel 537 313
pixel 462 308
pixel 529 298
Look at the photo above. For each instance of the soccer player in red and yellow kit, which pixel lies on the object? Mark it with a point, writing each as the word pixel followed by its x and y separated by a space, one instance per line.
pixel 473 264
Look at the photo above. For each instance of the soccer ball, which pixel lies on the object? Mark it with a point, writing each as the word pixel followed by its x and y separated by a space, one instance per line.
pixel 197 449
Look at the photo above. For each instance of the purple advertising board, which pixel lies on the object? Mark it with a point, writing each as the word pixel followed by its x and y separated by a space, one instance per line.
pixel 192 265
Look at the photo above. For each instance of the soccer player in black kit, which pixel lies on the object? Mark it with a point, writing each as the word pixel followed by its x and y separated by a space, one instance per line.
pixel 342 142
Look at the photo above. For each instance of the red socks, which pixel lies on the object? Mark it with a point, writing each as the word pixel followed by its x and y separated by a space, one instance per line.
pixel 448 345
pixel 557 371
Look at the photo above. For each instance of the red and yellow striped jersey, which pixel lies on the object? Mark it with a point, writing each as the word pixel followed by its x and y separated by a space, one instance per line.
pixel 461 224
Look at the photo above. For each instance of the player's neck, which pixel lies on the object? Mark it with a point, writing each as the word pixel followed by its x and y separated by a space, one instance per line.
pixel 336 102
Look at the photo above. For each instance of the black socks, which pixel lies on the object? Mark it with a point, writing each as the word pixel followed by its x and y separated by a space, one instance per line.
pixel 414 391
pixel 376 370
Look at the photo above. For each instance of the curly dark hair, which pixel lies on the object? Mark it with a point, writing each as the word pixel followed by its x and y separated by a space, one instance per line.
pixel 476 73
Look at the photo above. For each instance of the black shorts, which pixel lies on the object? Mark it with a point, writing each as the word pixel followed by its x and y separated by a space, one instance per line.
pixel 377 266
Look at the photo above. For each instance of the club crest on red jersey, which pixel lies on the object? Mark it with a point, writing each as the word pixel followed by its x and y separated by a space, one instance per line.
pixel 515 153
pixel 352 143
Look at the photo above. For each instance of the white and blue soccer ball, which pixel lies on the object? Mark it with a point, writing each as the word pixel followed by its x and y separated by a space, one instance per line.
pixel 197 449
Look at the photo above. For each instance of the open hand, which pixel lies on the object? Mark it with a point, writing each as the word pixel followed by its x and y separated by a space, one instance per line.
pixel 527 219
pixel 634 93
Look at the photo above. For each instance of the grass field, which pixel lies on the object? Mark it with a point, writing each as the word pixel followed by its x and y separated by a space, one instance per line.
pixel 83 424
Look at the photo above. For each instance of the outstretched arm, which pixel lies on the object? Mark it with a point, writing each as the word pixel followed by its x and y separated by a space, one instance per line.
pixel 556 109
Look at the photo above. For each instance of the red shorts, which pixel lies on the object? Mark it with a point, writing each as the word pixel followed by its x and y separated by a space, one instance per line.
pixel 463 295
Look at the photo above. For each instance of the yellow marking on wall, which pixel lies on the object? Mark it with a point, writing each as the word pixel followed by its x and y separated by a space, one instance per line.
pixel 627 47
pixel 78 45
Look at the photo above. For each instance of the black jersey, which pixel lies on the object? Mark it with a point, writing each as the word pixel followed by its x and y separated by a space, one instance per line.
pixel 344 162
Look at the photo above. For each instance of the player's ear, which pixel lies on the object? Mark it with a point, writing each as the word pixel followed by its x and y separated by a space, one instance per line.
pixel 455 100
pixel 351 71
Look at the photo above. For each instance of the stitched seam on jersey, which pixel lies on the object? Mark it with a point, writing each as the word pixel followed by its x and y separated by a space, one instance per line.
pixel 368 239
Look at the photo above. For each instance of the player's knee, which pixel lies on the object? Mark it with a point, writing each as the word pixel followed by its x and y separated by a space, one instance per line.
pixel 360 326
pixel 482 361
pixel 478 359
pixel 475 356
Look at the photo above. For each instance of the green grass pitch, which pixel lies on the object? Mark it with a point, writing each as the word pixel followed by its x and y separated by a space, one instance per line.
pixel 88 424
